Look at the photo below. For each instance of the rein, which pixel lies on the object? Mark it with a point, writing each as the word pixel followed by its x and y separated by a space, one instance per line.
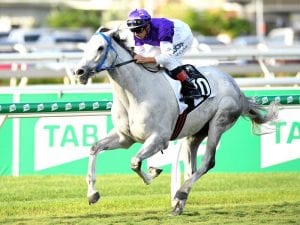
pixel 101 66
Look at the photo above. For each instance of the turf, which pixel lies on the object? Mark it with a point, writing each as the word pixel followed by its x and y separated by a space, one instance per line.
pixel 269 198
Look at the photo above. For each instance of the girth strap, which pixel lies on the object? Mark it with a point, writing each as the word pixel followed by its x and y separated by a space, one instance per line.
pixel 179 124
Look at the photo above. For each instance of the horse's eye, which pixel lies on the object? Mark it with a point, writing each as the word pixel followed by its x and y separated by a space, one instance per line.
pixel 100 48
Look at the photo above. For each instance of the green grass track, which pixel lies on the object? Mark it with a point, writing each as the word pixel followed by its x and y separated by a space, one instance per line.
pixel 268 198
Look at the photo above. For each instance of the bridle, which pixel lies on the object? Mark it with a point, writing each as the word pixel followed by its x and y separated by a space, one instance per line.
pixel 101 65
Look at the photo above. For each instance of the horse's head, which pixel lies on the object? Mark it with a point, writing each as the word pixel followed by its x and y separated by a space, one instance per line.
pixel 97 55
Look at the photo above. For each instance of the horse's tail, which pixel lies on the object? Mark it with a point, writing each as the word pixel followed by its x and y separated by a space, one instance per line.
pixel 259 114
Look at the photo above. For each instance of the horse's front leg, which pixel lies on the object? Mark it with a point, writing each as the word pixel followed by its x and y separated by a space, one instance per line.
pixel 112 141
pixel 152 145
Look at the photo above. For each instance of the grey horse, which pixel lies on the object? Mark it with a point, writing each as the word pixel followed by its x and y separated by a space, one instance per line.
pixel 145 110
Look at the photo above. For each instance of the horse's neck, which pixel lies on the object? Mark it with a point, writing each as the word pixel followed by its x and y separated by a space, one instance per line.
pixel 129 86
pixel 131 83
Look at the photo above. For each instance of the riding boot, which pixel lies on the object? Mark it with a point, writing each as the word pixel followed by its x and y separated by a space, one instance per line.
pixel 189 89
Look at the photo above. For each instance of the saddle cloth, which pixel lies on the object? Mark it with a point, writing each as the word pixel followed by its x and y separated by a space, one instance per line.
pixel 201 82
pixel 189 104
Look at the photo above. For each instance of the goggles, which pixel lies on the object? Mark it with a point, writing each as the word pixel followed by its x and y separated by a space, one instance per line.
pixel 135 23
pixel 137 30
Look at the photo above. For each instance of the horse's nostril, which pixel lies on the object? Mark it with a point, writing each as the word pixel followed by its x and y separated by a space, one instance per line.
pixel 79 72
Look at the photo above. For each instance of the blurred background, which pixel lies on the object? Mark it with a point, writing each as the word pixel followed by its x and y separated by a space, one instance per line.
pixel 237 31
pixel 256 41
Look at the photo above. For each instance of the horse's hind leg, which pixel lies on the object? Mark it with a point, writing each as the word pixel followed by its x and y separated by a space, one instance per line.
pixel 189 151
pixel 111 141
pixel 222 121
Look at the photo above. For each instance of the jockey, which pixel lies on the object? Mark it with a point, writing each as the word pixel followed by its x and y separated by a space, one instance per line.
pixel 162 41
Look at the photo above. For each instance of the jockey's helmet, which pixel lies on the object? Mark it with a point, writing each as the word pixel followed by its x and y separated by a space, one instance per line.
pixel 138 18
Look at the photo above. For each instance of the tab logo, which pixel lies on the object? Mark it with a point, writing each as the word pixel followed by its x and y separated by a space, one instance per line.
pixel 290 99
pixel 54 107
pixel 96 105
pixel 277 99
pixel 264 100
pixel 61 140
pixel 12 108
pixel 26 107
pixel 109 105
pixel 68 106
pixel 81 106
pixel 283 145
pixel 40 107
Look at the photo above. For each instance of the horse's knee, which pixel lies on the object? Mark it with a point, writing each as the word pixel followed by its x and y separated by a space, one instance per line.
pixel 97 147
pixel 135 163
pixel 93 150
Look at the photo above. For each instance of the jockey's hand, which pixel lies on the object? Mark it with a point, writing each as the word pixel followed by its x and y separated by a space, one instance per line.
pixel 142 59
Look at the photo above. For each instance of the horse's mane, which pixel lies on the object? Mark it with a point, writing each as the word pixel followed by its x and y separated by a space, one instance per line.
pixel 123 43
pixel 119 40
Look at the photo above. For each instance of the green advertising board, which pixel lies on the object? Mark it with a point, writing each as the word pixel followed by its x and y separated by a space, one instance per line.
pixel 6 141
pixel 60 145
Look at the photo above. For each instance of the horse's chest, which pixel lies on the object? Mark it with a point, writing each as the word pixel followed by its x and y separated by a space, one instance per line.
pixel 138 130
pixel 135 119
pixel 135 127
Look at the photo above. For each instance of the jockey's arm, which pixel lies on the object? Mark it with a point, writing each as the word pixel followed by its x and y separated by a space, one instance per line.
pixel 166 51
pixel 141 55
pixel 142 59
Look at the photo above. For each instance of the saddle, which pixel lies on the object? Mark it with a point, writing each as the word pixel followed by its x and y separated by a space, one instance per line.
pixel 200 82
pixel 204 89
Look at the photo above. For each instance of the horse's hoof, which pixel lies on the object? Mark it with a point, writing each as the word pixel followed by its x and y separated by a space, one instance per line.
pixel 179 206
pixel 83 79
pixel 176 212
pixel 178 209
pixel 94 198
pixel 154 172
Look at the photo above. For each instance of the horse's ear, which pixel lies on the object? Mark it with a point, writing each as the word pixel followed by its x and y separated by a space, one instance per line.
pixel 113 32
pixel 102 29
pixel 99 29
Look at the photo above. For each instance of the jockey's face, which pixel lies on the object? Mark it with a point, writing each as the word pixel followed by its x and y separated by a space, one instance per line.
pixel 141 33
